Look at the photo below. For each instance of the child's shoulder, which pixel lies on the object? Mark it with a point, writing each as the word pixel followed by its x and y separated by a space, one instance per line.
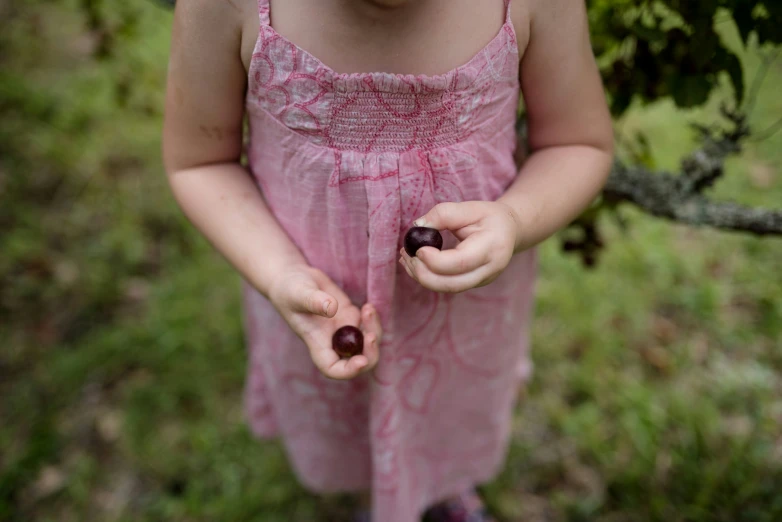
pixel 556 17
pixel 225 26
pixel 546 12
pixel 218 10
pixel 521 18
pixel 214 18
pixel 229 16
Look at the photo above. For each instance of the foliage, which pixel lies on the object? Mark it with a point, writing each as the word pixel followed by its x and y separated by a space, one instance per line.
pixel 671 48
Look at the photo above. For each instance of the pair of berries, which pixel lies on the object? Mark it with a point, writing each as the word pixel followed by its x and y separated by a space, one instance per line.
pixel 348 340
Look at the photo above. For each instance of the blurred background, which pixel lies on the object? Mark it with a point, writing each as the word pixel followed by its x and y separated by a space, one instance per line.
pixel 658 385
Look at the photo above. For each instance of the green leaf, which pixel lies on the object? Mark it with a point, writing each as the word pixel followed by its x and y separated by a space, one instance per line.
pixel 730 63
pixel 703 45
pixel 690 91
pixel 650 34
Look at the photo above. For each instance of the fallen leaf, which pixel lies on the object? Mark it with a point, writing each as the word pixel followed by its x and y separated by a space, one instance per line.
pixel 762 174
pixel 50 480
pixel 664 329
pixel 658 358
pixel 699 348
pixel 137 290
pixel 66 272
pixel 109 425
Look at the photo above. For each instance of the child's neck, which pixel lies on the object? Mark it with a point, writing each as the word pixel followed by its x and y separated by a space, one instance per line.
pixel 388 3
pixel 376 7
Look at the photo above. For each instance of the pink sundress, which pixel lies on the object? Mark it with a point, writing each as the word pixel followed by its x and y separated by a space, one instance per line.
pixel 346 162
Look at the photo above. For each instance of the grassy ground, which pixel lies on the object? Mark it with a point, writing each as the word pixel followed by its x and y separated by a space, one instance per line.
pixel 658 390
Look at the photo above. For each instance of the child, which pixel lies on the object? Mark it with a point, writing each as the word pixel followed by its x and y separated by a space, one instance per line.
pixel 365 117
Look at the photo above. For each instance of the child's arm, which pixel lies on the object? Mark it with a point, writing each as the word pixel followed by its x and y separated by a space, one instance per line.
pixel 571 137
pixel 202 148
pixel 570 131
pixel 202 144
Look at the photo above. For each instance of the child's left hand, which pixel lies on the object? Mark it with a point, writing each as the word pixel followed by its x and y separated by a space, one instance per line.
pixel 487 232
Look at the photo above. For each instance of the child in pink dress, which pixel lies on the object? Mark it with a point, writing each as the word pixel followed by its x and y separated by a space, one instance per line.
pixel 365 118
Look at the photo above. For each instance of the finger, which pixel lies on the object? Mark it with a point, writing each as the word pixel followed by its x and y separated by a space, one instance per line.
pixel 373 333
pixel 346 369
pixel 314 301
pixel 370 321
pixel 450 216
pixel 321 351
pixel 449 284
pixel 468 255
pixel 371 351
pixel 406 266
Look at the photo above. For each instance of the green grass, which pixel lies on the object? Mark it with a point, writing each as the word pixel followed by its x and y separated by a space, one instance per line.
pixel 657 393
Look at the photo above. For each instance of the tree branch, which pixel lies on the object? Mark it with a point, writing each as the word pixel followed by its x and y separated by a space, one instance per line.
pixel 660 194
pixel 679 197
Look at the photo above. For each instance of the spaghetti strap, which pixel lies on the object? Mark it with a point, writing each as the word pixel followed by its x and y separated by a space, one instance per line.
pixel 507 10
pixel 264 12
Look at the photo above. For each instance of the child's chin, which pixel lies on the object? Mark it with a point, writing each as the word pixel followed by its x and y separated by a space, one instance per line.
pixel 390 3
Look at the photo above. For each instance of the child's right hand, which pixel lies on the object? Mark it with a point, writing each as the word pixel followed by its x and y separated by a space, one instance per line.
pixel 315 307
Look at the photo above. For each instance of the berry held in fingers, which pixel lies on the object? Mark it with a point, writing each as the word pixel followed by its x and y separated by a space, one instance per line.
pixel 348 341
pixel 418 237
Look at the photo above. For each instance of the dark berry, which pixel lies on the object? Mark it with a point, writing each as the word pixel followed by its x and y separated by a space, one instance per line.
pixel 348 341
pixel 418 237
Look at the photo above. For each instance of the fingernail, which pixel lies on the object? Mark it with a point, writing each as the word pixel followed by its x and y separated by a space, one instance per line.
pixel 419 222
pixel 326 307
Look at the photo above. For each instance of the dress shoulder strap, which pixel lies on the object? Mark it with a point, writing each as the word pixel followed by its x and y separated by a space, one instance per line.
pixel 264 12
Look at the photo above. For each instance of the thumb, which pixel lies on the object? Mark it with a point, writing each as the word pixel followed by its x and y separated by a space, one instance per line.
pixel 448 216
pixel 309 299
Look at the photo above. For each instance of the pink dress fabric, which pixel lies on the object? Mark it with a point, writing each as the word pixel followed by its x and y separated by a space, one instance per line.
pixel 346 162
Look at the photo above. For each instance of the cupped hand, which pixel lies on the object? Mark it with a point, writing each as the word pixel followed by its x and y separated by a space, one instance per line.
pixel 315 307
pixel 487 232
